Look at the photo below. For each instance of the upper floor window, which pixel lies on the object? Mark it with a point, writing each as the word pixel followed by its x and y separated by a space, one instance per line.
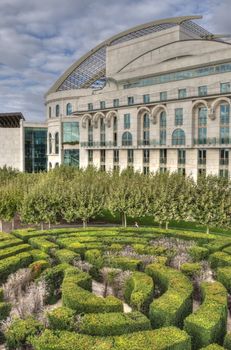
pixel 224 157
pixel 163 95
pixel 130 100
pixel 56 143
pixel 146 121
pixel 202 90
pixel 202 116
pixel 181 156
pixel 224 88
pixel 163 124
pixel 57 110
pixel 224 123
pixel 50 143
pixel 49 112
pixel 178 137
pixel 90 106
pixel 69 109
pixel 178 116
pixel 163 120
pixel 116 156
pixel 102 105
pixel 202 155
pixel 127 139
pixel 224 113
pixel 146 98
pixel 130 156
pixel 182 93
pixel 127 121
pixel 116 102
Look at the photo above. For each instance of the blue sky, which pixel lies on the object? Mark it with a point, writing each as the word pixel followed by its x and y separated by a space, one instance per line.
pixel 39 40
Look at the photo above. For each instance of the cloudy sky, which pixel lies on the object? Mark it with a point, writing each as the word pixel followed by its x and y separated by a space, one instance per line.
pixel 40 39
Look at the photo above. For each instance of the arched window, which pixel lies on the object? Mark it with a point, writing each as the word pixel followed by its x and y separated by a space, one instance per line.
pixel 163 125
pixel 127 139
pixel 102 132
pixel 50 143
pixel 90 133
pixel 202 125
pixel 224 123
pixel 178 137
pixel 49 112
pixel 69 109
pixel 56 143
pixel 57 110
pixel 146 127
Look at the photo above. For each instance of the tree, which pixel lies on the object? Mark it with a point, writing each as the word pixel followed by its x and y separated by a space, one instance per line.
pixel 9 202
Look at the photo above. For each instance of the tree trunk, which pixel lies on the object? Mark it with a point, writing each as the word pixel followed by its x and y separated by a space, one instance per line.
pixel 166 225
pixel 160 225
pixel 1 225
pixel 105 289
pixel 84 223
pixel 12 224
pixel 122 218
pixel 125 220
pixel 42 226
pixel 207 229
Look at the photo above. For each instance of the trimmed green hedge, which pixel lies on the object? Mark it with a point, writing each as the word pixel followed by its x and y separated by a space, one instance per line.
pixel 124 263
pixel 38 254
pixel 38 267
pixel 11 251
pixel 227 341
pixel 10 243
pixel 224 276
pixel 219 259
pixel 94 257
pixel 213 347
pixel 76 295
pixel 169 338
pixel 54 277
pixel 61 318
pixel 198 253
pixel 138 293
pixel 4 310
pixel 108 324
pixel 13 263
pixel 43 244
pixel 208 324
pixel 66 256
pixel 227 250
pixel 176 302
pixel 191 270
pixel 19 332
pixel 218 244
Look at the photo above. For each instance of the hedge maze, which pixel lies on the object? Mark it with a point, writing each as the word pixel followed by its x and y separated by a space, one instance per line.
pixel 114 288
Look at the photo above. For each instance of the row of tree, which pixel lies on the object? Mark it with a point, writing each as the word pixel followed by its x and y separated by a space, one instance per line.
pixel 71 194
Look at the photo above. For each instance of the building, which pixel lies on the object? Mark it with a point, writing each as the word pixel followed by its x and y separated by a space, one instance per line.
pixel 23 145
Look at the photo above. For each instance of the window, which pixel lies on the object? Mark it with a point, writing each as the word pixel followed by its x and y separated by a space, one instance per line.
pixel 127 139
pixel 146 98
pixel 116 103
pixel 56 165
pixel 50 165
pixel 71 132
pixel 224 157
pixel 224 123
pixel 146 121
pixel 163 124
pixel 224 88
pixel 178 116
pixel 69 109
pixel 202 90
pixel 163 170
pixel 49 112
pixel 178 137
pixel 146 155
pixel 202 157
pixel 90 156
pixel 115 123
pixel 163 156
pixel 57 110
pixel 130 156
pixel 71 157
pixel 116 156
pixel 127 121
pixel 146 126
pixel 90 106
pixel 115 131
pixel 35 155
pixel 130 100
pixel 90 134
pixel 102 167
pixel 102 105
pixel 224 173
pixel 202 126
pixel 102 155
pixel 163 96
pixel 102 132
pixel 146 170
pixel 181 156
pixel 181 171
pixel 56 143
pixel 50 143
pixel 182 93
pixel 201 171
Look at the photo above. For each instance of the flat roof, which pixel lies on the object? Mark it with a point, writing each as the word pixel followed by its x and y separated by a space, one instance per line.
pixel 11 120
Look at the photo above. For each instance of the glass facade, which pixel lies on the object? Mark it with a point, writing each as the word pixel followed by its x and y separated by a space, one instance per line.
pixel 71 157
pixel 71 132
pixel 35 149
pixel 181 75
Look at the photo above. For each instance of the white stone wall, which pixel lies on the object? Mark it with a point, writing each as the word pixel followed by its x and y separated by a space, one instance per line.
pixel 11 148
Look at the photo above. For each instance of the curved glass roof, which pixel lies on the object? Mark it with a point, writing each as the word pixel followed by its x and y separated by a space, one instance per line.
pixel 89 71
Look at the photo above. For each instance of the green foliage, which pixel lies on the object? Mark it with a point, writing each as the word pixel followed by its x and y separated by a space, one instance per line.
pixel 94 257
pixel 13 263
pixel 4 310
pixel 66 256
pixel 61 318
pixel 138 293
pixel 19 332
pixel 191 270
pixel 227 341
pixel 198 253
pixel 108 324
pixel 208 324
pixel 213 347
pixel 124 263
pixel 11 251
pixel 38 267
pixel 42 244
pixel 11 242
pixel 219 259
pixel 176 302
pixel 38 254
pixel 224 277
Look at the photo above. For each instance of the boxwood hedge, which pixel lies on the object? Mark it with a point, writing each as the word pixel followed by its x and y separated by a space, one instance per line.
pixel 66 256
pixel 208 324
pixel 124 263
pixel 176 302
pixel 11 251
pixel 61 318
pixel 4 310
pixel 224 276
pixel 42 244
pixel 227 341
pixel 219 259
pixel 13 263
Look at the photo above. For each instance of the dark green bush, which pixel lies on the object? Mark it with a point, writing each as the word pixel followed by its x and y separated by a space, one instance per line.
pixel 208 324
pixel 227 341
pixel 138 293
pixel 218 244
pixel 219 259
pixel 176 303
pixel 13 263
pixel 53 277
pixel 224 276
pixel 61 318
pixel 94 257
pixel 4 310
pixel 20 330
pixel 198 253
pixel 38 267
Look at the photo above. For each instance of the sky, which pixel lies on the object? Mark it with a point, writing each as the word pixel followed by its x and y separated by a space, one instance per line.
pixel 40 39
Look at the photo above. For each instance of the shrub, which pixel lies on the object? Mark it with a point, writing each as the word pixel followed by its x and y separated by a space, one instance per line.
pixel 11 251
pixel 66 256
pixel 61 318
pixel 10 243
pixel 125 263
pixel 218 244
pixel 139 289
pixel 38 267
pixel 12 264
pixel 38 254
pixel 108 324
pixel 77 296
pixel 19 331
pixel 43 244
pixel 219 259
pixel 176 302
pixel 227 341
pixel 227 250
pixel 191 270
pixel 94 257
pixel 1 294
pixel 116 247
pixel 213 347
pixel 198 253
pixel 224 276
pixel 53 278
pixel 208 324
pixel 4 310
